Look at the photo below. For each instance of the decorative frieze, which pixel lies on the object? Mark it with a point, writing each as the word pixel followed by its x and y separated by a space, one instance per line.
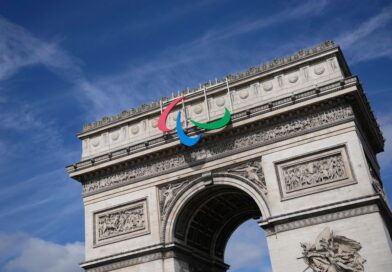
pixel 252 171
pixel 167 194
pixel 310 174
pixel 260 135
pixel 330 252
pixel 121 222
pixel 314 172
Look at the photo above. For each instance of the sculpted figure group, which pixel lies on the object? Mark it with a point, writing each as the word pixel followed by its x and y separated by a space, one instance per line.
pixel 332 253
pixel 119 222
pixel 312 173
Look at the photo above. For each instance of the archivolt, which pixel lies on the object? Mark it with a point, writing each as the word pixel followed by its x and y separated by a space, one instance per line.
pixel 218 186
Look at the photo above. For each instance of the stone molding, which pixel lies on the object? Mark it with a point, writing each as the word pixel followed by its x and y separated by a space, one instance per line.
pixel 127 262
pixel 259 136
pixel 121 222
pixel 264 108
pixel 320 219
pixel 147 254
pixel 188 184
pixel 315 172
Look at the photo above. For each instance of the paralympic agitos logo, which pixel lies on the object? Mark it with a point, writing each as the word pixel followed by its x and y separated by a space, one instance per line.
pixel 184 138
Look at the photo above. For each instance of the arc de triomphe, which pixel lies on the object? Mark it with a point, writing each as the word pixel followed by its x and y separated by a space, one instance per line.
pixel 299 156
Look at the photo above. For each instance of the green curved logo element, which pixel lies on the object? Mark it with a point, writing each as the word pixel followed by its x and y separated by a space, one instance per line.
pixel 217 124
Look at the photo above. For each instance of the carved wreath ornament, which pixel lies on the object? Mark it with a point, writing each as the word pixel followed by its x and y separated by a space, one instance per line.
pixel 332 253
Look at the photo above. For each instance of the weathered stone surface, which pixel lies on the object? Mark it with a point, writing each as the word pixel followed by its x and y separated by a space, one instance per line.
pixel 330 252
pixel 231 144
pixel 299 156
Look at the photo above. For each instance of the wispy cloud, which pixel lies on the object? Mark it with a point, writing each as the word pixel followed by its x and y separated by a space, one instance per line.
pixel 201 58
pixel 371 39
pixel 19 49
pixel 153 77
pixel 40 135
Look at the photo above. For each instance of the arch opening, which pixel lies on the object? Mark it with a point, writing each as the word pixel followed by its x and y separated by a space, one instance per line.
pixel 208 219
pixel 247 249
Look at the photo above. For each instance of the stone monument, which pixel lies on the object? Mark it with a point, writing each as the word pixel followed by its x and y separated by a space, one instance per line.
pixel 299 156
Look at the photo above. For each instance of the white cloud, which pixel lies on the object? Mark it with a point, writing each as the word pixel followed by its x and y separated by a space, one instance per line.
pixel 29 254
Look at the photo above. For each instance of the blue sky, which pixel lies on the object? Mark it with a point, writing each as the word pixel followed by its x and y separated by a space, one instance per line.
pixel 66 63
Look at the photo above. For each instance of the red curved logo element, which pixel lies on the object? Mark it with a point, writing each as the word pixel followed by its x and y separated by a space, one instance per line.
pixel 182 136
pixel 162 119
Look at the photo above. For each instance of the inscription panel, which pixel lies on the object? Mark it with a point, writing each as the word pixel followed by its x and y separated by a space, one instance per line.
pixel 314 172
pixel 121 222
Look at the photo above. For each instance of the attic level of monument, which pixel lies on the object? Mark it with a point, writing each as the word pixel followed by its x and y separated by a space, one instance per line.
pixel 254 97
pixel 299 156
pixel 266 69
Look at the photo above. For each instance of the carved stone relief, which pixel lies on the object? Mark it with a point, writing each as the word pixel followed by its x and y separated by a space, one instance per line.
pixel 250 170
pixel 167 194
pixel 310 174
pixel 232 144
pixel 253 171
pixel 333 253
pixel 377 185
pixel 298 175
pixel 128 220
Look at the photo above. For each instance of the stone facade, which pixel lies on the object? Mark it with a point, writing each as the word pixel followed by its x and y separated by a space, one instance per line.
pixel 299 155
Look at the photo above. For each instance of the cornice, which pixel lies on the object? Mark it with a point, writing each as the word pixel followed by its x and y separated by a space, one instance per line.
pixel 327 213
pixel 165 141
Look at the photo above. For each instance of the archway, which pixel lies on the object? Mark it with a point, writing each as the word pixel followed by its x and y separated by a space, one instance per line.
pixel 204 216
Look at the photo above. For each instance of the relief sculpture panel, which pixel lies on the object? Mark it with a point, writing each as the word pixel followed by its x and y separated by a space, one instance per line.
pixel 331 252
pixel 314 172
pixel 252 171
pixel 120 223
pixel 167 194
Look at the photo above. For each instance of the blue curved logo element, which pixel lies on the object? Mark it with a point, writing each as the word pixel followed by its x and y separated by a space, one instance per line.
pixel 188 141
